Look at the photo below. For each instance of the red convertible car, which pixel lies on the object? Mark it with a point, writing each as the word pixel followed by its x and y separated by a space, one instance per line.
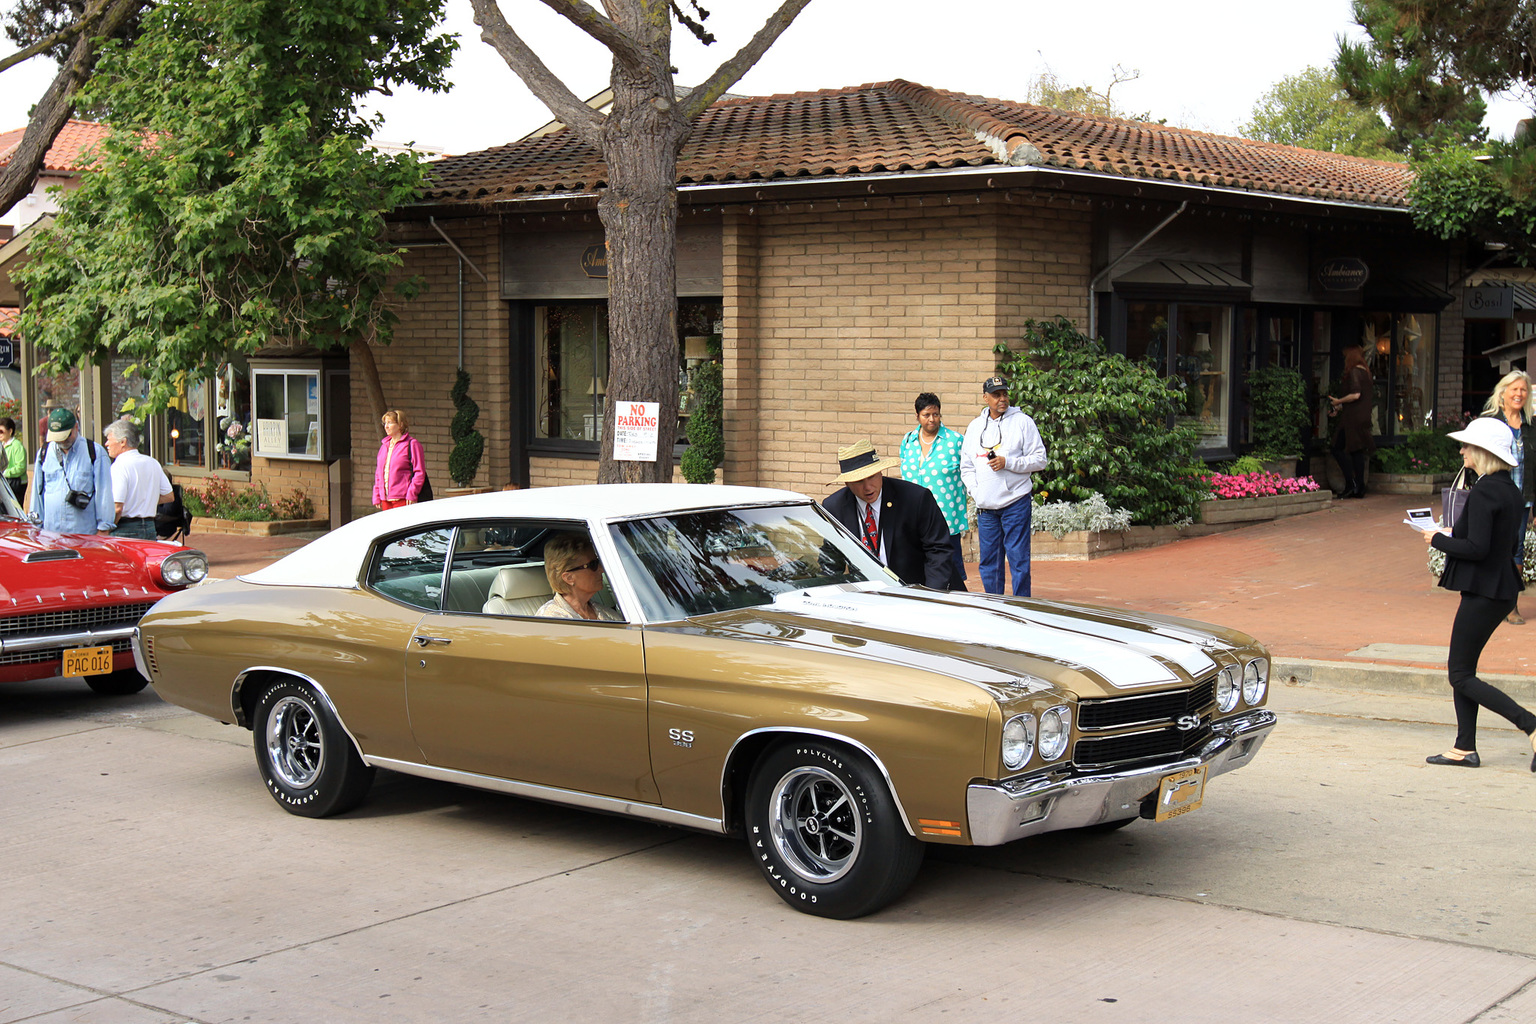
pixel 69 602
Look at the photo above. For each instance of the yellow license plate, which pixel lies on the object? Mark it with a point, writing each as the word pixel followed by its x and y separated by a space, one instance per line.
pixel 1180 793
pixel 87 661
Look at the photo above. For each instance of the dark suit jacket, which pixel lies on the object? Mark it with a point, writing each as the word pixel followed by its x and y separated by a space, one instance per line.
pixel 916 537
pixel 1480 552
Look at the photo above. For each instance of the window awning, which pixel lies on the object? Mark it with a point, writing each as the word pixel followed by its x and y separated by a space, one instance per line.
pixel 1182 275
pixel 1405 293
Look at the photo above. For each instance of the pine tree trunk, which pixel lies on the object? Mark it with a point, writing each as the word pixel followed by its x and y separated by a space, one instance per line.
pixel 639 215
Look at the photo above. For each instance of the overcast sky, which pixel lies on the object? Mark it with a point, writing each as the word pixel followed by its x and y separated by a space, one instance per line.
pixel 1203 63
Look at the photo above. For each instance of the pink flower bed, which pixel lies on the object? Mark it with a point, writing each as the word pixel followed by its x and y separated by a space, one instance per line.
pixel 1257 485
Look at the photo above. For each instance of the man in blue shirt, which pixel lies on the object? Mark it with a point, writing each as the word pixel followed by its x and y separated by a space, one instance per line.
pixel 75 494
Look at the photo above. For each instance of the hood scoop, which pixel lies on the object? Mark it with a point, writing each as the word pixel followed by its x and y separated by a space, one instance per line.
pixel 53 555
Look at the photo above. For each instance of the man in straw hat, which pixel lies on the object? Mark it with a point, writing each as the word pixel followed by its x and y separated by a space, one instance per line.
pixel 899 522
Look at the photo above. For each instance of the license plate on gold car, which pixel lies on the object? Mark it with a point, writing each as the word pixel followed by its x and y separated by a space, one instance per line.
pixel 87 661
pixel 1180 793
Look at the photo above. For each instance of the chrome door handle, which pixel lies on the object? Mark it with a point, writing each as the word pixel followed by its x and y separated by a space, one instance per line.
pixel 423 640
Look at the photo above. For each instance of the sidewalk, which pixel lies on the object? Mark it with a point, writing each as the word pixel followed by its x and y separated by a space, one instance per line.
pixel 1341 597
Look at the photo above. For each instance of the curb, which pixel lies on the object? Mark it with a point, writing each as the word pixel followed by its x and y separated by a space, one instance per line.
pixel 1393 679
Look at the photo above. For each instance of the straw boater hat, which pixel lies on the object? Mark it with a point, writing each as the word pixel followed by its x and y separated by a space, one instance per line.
pixel 858 460
pixel 1492 436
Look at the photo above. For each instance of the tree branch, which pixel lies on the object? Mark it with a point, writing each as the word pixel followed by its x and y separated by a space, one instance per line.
pixel 67 32
pixel 586 18
pixel 729 73
pixel 543 83
pixel 57 103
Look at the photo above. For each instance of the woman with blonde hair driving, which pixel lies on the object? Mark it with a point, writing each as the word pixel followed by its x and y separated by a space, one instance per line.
pixel 575 575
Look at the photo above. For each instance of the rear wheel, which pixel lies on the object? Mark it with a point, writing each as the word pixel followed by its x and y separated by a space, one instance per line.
pixel 308 762
pixel 117 684
pixel 826 832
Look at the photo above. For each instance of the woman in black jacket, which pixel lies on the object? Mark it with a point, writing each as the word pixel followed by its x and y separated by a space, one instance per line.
pixel 1480 563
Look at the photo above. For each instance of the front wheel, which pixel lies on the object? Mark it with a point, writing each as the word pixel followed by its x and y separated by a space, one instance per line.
pixel 826 832
pixel 308 762
pixel 117 684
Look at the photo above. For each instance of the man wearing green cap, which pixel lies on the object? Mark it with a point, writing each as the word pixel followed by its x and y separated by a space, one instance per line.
pixel 75 493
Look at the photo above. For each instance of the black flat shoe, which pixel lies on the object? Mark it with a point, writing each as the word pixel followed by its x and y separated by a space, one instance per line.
pixel 1467 761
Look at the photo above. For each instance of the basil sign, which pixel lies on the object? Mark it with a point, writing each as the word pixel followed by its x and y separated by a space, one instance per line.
pixel 1343 274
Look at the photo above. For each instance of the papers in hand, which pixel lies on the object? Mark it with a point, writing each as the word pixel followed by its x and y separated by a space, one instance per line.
pixel 1422 519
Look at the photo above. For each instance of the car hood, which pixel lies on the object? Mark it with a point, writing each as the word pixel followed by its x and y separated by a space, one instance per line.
pixel 71 565
pixel 1001 643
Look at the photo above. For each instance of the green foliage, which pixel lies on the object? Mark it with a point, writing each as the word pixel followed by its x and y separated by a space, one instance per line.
pixel 1063 517
pixel 1312 110
pixel 468 443
pixel 1420 451
pixel 1244 465
pixel 706 430
pixel 222 500
pixel 1280 415
pixel 1455 195
pixel 1105 421
pixel 235 203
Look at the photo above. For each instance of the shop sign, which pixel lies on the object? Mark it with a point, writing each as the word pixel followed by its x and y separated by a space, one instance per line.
pixel 635 426
pixel 1343 274
pixel 594 260
pixel 1488 302
pixel 7 354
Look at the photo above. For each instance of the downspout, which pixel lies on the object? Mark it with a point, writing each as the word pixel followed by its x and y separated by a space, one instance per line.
pixel 463 259
pixel 1093 285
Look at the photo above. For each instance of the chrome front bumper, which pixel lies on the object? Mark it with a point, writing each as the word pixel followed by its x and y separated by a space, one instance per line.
pixel 65 641
pixel 1001 812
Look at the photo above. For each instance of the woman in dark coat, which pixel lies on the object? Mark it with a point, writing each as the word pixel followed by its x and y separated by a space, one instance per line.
pixel 1511 404
pixel 1480 563
pixel 1353 441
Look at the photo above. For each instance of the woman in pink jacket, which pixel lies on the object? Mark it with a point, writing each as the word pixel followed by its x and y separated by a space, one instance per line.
pixel 401 472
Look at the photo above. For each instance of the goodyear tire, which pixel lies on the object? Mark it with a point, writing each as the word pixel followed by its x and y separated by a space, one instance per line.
pixel 825 831
pixel 117 684
pixel 308 762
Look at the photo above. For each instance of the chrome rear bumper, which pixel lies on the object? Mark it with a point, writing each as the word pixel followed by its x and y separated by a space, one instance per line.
pixel 1001 812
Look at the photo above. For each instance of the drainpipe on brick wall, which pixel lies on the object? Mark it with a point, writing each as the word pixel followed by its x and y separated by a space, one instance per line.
pixel 1093 285
pixel 463 259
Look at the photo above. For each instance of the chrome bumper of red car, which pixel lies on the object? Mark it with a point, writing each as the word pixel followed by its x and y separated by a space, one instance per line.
pixel 64 641
pixel 1001 812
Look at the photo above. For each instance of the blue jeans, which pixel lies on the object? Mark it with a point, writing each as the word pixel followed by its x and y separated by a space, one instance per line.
pixel 1000 530
pixel 143 529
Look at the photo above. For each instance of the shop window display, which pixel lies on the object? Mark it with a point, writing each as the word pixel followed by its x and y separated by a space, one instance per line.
pixel 1192 344
pixel 1400 352
pixel 287 413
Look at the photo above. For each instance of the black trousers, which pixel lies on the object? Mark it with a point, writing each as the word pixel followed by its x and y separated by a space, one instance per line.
pixel 1352 465
pixel 1476 619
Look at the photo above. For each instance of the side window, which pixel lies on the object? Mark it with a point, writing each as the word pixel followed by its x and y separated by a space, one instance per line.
pixel 410 568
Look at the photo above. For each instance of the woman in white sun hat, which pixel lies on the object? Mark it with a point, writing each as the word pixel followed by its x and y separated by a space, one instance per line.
pixel 1480 563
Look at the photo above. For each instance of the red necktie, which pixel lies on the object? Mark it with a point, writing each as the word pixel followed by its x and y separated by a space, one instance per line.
pixel 871 535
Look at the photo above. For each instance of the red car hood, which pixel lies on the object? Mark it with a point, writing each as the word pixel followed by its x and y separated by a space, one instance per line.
pixel 108 567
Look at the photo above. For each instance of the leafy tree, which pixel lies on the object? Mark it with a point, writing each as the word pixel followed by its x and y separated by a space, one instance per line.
pixel 1105 422
pixel 1048 90
pixel 1428 64
pixel 639 141
pixel 1312 110
pixel 71 32
pixel 236 202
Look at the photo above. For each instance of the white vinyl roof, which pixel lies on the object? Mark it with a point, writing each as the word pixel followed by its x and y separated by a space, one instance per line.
pixel 336 559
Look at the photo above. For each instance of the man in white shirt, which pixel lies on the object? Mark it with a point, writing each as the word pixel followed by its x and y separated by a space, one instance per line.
pixel 1002 450
pixel 139 483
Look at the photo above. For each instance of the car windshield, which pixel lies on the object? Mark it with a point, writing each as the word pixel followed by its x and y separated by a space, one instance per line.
pixel 9 507
pixel 701 562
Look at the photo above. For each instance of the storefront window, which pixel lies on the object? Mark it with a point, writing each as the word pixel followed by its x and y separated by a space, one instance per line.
pixel 1321 374
pixel 1400 351
pixel 288 413
pixel 232 415
pixel 571 363
pixel 1192 344
pixel 58 392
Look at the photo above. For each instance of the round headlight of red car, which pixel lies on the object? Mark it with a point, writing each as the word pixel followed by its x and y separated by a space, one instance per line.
pixel 183 568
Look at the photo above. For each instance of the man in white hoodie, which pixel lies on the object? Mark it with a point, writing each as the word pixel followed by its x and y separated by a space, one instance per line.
pixel 1002 450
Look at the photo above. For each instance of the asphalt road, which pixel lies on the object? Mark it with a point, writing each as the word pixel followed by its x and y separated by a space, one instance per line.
pixel 149 879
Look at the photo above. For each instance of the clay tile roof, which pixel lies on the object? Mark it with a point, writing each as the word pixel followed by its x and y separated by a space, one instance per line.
pixel 901 126
pixel 9 315
pixel 66 153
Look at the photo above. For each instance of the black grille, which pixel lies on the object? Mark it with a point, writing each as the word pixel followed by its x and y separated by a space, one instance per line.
pixel 122 646
pixel 1168 706
pixel 75 619
pixel 1097 751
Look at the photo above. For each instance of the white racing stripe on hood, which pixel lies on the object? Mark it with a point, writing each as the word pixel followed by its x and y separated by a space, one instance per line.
pixel 1122 655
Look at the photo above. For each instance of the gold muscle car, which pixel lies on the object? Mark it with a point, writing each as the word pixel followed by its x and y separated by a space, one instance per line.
pixel 754 671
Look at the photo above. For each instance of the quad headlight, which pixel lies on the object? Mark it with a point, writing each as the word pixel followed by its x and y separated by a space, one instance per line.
pixel 1255 680
pixel 1227 688
pixel 1018 740
pixel 183 569
pixel 1055 731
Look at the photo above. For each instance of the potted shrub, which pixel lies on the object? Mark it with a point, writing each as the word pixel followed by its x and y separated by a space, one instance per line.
pixel 1280 417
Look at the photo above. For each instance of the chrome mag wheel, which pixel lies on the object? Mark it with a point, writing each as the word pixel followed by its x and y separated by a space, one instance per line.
pixel 295 749
pixel 814 824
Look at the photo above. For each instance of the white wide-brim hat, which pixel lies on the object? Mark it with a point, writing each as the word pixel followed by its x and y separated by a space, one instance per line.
pixel 1492 436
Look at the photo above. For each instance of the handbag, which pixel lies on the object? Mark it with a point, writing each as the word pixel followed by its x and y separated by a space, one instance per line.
pixel 1454 498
